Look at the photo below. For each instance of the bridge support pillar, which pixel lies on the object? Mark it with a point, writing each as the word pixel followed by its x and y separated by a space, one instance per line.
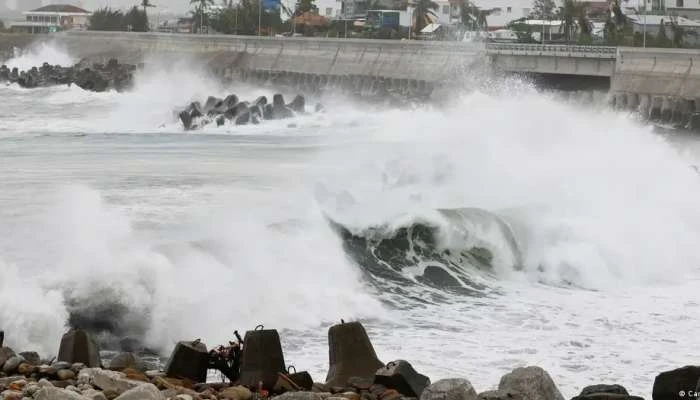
pixel 655 108
pixel 666 109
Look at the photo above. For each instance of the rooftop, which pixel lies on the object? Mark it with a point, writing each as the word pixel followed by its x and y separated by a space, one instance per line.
pixel 60 8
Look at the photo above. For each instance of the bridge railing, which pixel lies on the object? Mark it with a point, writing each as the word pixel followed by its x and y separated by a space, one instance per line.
pixel 559 50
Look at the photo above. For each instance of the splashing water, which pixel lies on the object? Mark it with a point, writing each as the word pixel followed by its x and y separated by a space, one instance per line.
pixel 195 235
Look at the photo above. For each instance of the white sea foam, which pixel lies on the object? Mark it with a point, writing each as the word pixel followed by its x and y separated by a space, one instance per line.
pixel 202 234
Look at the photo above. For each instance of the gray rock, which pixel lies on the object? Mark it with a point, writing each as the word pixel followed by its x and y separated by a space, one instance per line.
pixel 30 389
pixel 93 394
pixel 5 354
pixel 112 381
pixel 77 367
pixel 72 388
pixel 11 364
pixel 499 395
pixel 613 389
pixel 299 396
pixel 32 357
pixel 54 393
pixel 65 374
pixel 11 395
pixel 449 389
pixel 43 382
pixel 533 383
pixel 151 374
pixel 47 370
pixel 146 391
pixel 5 381
pixel 61 365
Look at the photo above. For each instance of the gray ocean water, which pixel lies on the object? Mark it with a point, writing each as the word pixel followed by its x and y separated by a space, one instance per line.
pixel 104 200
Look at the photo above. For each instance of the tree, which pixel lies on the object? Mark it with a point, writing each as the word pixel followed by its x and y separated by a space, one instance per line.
pixel 136 20
pixel 2 26
pixel 423 14
pixel 303 6
pixel 472 16
pixel 522 30
pixel 145 4
pixel 574 16
pixel 200 12
pixel 543 9
pixel 106 19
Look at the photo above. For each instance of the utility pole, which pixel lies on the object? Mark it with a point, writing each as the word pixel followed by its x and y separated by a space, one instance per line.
pixel 644 35
pixel 259 15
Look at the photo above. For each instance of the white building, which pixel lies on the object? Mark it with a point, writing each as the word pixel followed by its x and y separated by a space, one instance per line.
pixel 52 18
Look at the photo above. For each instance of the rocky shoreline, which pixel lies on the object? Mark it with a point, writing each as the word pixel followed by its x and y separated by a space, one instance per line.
pixel 256 368
pixel 92 77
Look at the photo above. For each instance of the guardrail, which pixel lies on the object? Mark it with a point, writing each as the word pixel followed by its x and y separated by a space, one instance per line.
pixel 607 52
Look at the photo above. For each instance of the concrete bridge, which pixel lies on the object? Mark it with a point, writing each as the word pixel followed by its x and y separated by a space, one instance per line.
pixel 553 59
pixel 663 82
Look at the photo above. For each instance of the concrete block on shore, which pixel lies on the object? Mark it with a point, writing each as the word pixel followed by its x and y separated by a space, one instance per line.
pixel 449 389
pixel 350 354
pixel 78 346
pixel 534 383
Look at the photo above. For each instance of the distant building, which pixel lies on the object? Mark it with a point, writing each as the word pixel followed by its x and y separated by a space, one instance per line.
pixel 652 25
pixel 52 18
pixel 178 25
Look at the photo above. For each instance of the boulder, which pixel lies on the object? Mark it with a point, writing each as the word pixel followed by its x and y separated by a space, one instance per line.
pixel 299 396
pixel 126 360
pixel 65 374
pixel 449 389
pixel 261 359
pixel 604 392
pixel 236 393
pixel 668 384
pixel 54 393
pixel 108 380
pixel 93 394
pixel 11 395
pixel 31 357
pixel 11 364
pixel 533 383
pixel 350 354
pixel 613 389
pixel 78 346
pixel 189 360
pixel 401 376
pixel 26 369
pixel 5 354
pixel 61 365
pixel 499 395
pixel 146 391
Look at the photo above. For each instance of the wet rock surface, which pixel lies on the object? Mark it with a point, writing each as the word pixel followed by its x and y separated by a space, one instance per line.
pixel 92 77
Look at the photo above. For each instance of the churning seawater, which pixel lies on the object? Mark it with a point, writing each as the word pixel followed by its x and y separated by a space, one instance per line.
pixel 589 219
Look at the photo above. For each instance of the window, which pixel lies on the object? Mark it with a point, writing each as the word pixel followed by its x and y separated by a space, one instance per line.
pixel 509 10
pixel 445 9
pixel 679 3
pixel 329 11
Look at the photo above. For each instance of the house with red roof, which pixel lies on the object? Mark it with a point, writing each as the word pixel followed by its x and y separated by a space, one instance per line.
pixel 52 18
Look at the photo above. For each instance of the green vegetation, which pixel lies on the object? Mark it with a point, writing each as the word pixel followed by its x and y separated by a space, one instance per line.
pixel 106 19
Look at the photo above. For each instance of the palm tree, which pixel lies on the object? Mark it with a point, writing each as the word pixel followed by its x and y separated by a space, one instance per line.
pixel 203 4
pixel 472 16
pixel 145 4
pixel 424 13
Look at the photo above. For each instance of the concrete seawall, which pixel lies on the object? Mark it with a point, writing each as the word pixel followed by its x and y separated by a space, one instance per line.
pixel 662 84
pixel 358 65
